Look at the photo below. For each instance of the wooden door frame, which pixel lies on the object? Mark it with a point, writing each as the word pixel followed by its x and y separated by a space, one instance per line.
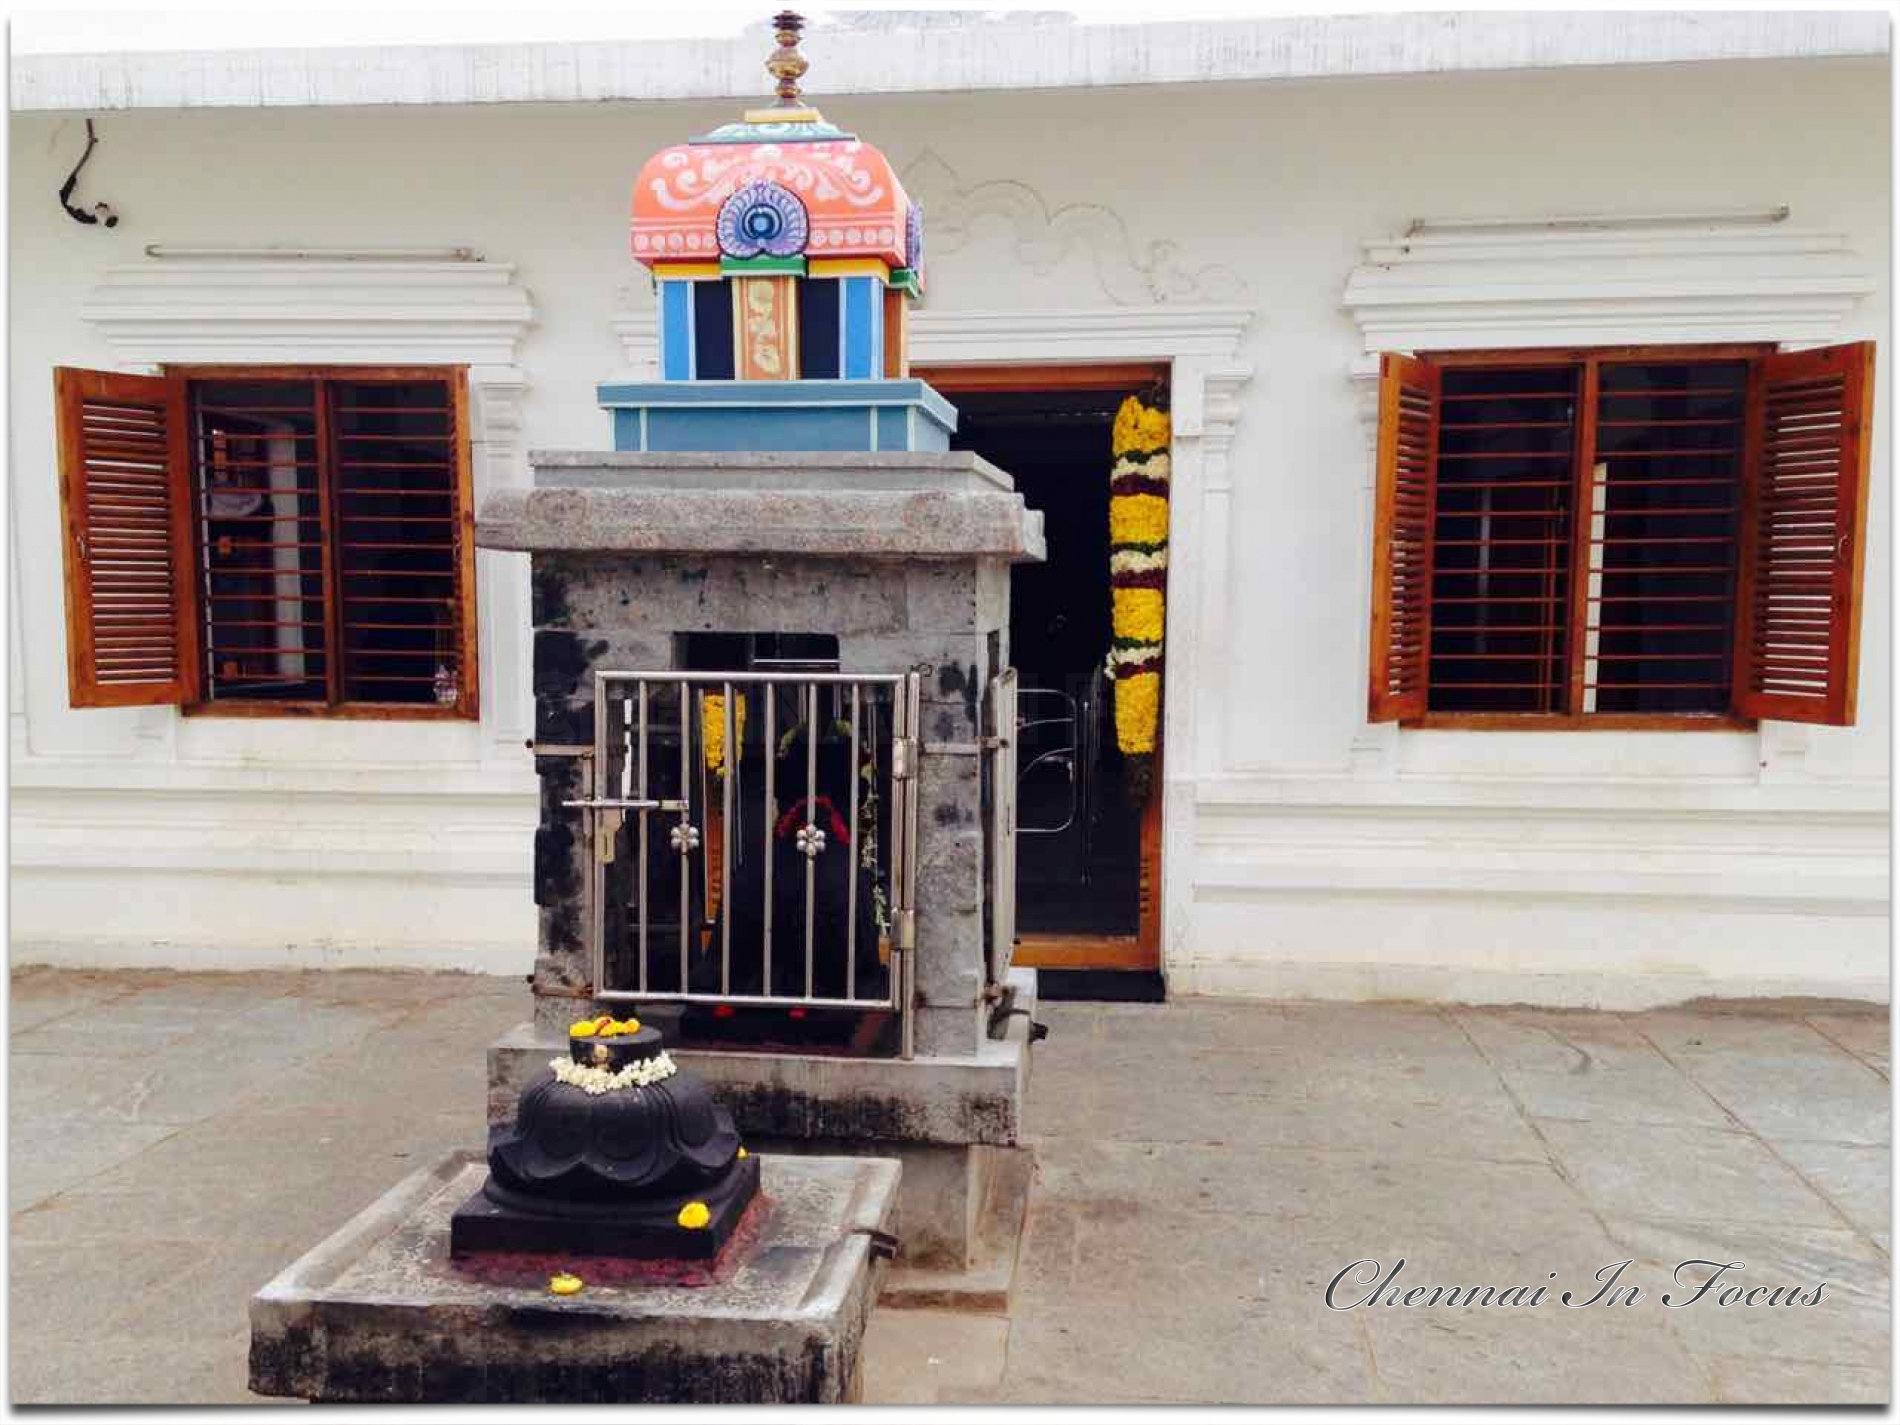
pixel 1055 951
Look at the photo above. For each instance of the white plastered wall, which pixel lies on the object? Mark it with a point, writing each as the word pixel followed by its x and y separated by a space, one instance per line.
pixel 1307 853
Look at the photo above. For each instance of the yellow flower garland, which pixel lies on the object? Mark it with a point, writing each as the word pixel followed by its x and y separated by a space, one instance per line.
pixel 1138 564
pixel 1137 710
pixel 712 729
pixel 1139 614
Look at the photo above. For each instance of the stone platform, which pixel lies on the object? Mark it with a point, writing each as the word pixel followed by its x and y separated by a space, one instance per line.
pixel 378 1313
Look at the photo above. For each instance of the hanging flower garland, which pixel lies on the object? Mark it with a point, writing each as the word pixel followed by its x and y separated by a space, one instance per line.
pixel 1137 580
pixel 712 728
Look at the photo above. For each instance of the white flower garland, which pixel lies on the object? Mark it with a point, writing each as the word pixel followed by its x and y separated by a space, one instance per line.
pixel 1137 561
pixel 590 1079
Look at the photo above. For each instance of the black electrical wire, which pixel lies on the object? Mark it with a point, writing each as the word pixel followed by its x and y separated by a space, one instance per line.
pixel 99 211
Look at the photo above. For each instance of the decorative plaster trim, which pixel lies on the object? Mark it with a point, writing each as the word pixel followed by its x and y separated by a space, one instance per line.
pixel 1603 989
pixel 1158 333
pixel 1129 275
pixel 1104 334
pixel 264 310
pixel 1615 285
pixel 276 311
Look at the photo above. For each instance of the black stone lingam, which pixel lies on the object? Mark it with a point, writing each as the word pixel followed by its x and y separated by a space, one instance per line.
pixel 610 1174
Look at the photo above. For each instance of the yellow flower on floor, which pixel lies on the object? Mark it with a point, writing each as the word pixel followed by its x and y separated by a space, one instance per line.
pixel 1140 614
pixel 564 1284
pixel 1137 705
pixel 695 1215
pixel 1138 519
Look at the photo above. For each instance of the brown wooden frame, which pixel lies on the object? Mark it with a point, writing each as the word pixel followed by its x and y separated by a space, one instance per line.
pixel 1142 950
pixel 1590 359
pixel 1131 376
pixel 468 704
pixel 72 387
pixel 1853 365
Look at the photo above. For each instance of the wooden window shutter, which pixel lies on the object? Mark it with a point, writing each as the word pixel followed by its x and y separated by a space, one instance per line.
pixel 1404 495
pixel 1804 535
pixel 131 610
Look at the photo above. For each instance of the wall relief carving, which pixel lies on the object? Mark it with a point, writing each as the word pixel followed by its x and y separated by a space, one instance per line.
pixel 1130 274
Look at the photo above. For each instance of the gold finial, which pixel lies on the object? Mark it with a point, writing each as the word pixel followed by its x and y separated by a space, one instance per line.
pixel 787 65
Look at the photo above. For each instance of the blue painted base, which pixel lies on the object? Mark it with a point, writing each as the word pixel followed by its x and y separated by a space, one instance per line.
pixel 778 415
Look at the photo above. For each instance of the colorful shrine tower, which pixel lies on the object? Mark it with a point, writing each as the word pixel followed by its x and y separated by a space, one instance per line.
pixel 785 255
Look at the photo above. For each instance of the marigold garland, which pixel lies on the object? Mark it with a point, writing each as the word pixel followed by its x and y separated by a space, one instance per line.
pixel 712 728
pixel 1137 576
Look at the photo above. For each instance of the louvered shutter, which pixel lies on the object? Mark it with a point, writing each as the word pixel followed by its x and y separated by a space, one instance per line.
pixel 131 620
pixel 1403 498
pixel 1804 535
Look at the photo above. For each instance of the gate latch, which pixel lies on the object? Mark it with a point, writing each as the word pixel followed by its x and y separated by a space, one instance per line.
pixel 612 815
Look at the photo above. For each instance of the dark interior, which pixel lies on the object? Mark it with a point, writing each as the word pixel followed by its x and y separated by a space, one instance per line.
pixel 1078 838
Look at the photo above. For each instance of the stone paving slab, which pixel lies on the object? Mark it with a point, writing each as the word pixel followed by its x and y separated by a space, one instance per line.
pixel 1173 1252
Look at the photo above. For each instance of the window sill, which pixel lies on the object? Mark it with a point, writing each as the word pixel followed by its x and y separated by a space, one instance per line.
pixel 380 712
pixel 1586 722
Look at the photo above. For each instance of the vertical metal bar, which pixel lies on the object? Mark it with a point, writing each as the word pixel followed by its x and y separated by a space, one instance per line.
pixel 597 785
pixel 1586 558
pixel 726 829
pixel 811 820
pixel 686 820
pixel 851 864
pixel 907 935
pixel 770 694
pixel 642 817
pixel 896 882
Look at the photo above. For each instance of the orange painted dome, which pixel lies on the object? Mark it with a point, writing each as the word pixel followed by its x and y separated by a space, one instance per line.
pixel 798 187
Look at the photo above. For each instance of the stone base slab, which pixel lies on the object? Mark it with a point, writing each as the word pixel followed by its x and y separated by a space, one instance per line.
pixel 977 1099
pixel 987 1275
pixel 378 1313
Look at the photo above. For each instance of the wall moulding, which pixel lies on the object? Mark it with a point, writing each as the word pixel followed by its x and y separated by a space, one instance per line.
pixel 258 309
pixel 1647 282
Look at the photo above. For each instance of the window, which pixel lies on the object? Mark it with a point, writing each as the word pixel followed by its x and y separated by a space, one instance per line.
pixel 259 540
pixel 1653 538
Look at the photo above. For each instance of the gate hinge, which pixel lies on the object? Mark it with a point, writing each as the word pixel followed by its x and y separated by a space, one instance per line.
pixel 904 758
pixel 906 929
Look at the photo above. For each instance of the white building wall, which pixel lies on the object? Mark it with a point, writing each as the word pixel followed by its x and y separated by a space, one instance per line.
pixel 1310 854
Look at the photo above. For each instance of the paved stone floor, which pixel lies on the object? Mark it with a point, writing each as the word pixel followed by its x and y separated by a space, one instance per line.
pixel 1205 1168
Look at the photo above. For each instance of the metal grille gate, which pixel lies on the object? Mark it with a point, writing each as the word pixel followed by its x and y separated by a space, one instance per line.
pixel 755 839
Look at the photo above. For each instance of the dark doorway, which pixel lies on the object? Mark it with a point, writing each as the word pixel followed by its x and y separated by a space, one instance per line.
pixel 1085 850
